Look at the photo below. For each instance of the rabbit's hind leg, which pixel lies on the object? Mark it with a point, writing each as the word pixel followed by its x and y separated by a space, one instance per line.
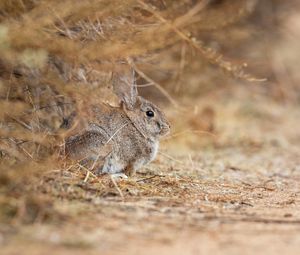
pixel 112 165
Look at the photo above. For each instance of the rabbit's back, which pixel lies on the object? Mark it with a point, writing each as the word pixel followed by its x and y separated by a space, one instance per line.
pixel 89 144
pixel 101 137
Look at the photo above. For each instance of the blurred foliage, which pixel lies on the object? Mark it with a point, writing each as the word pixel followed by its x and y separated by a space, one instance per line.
pixel 56 57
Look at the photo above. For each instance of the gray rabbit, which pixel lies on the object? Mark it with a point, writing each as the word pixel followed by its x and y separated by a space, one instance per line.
pixel 124 138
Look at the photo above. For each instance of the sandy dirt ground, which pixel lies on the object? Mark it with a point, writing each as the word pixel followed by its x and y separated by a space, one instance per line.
pixel 237 195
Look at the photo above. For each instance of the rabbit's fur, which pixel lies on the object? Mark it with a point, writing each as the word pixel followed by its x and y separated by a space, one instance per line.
pixel 124 138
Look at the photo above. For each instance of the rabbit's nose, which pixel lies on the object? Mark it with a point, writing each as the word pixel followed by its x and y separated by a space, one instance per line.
pixel 167 126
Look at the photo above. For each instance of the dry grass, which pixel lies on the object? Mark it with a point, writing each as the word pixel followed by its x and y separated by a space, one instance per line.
pixel 225 73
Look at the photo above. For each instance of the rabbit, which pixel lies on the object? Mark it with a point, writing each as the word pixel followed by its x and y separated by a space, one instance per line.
pixel 122 139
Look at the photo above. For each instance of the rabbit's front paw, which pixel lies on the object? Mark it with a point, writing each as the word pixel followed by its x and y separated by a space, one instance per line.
pixel 119 176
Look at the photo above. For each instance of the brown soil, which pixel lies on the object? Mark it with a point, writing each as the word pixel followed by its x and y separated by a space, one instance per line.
pixel 236 193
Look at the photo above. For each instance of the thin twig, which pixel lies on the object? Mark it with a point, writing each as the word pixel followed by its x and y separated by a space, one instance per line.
pixel 145 85
pixel 91 173
pixel 254 220
pixel 170 157
pixel 22 123
pixel 157 85
pixel 87 176
pixel 98 156
pixel 117 187
pixel 118 130
pixel 181 66
pixel 151 177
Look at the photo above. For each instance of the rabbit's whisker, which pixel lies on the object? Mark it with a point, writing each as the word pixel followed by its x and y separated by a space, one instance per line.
pixel 199 132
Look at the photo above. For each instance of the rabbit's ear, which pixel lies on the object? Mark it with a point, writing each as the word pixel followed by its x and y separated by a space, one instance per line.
pixel 124 85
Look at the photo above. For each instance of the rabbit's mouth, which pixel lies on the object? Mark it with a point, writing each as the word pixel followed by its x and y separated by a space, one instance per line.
pixel 164 130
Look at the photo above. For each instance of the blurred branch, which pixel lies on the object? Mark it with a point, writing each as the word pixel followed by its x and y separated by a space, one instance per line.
pixel 208 53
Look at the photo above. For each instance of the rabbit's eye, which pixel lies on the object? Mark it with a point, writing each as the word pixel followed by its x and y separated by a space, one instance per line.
pixel 150 113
